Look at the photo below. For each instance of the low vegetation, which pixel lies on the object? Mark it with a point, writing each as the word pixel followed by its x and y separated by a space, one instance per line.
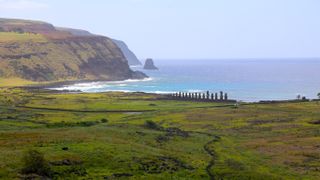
pixel 34 163
pixel 46 134
pixel 6 37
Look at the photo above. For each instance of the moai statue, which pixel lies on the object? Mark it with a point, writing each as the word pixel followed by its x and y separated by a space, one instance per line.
pixel 179 95
pixel 208 95
pixel 225 96
pixel 212 96
pixel 215 96
pixel 221 95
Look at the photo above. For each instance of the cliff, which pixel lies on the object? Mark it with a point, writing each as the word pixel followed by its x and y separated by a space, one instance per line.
pixel 149 65
pixel 130 56
pixel 37 51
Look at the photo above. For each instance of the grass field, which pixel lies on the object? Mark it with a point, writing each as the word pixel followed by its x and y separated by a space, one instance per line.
pixel 106 136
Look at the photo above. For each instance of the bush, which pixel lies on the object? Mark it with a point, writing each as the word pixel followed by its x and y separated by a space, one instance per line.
pixel 104 120
pixel 73 124
pixel 34 163
pixel 152 125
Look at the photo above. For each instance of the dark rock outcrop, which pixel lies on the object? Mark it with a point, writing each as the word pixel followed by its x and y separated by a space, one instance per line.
pixel 75 32
pixel 149 65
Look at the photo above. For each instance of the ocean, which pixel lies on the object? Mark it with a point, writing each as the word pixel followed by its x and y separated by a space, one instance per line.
pixel 247 80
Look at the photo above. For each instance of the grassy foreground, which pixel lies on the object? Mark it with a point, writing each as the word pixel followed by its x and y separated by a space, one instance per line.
pixel 137 136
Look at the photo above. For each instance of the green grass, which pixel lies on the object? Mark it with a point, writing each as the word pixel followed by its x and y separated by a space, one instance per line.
pixel 275 141
pixel 21 37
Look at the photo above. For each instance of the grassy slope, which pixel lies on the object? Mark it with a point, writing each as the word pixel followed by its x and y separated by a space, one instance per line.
pixel 6 37
pixel 252 141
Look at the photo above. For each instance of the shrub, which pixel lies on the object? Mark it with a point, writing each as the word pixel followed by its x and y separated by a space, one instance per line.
pixel 34 163
pixel 87 123
pixel 152 125
pixel 104 120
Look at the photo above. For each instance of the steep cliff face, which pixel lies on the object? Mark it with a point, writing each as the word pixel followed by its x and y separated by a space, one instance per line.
pixel 130 56
pixel 52 55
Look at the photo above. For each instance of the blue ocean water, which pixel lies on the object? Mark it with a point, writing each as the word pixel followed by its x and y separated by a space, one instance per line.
pixel 245 80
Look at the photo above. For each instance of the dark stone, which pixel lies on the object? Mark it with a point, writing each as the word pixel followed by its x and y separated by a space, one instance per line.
pixel 149 65
pixel 315 122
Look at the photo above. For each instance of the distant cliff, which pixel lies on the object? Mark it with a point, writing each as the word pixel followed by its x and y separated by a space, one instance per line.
pixel 130 56
pixel 38 51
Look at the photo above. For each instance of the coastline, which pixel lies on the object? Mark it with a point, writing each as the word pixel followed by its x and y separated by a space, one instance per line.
pixel 58 87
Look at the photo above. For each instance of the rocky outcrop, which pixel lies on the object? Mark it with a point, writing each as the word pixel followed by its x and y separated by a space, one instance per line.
pixel 130 56
pixel 75 32
pixel 149 65
pixel 60 56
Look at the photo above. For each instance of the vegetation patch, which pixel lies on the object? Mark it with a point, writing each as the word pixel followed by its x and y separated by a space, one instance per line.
pixel 171 132
pixel 35 164
pixel 152 125
pixel 75 124
pixel 161 164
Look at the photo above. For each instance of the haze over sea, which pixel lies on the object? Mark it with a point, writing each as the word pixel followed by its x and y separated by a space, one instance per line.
pixel 243 79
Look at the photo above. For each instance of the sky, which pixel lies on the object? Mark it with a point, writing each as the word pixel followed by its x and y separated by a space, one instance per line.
pixel 188 29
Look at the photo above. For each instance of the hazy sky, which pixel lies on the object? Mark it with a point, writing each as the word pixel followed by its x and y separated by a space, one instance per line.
pixel 188 28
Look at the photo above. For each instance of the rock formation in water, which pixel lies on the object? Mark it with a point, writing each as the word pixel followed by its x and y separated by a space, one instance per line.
pixel 149 65
pixel 38 51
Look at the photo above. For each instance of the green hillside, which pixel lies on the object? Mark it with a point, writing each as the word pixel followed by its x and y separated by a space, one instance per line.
pixel 36 51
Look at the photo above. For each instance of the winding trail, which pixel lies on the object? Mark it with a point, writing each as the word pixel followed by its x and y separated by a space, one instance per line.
pixel 212 161
pixel 210 152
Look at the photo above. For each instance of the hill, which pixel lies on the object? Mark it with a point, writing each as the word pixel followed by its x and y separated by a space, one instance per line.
pixel 37 51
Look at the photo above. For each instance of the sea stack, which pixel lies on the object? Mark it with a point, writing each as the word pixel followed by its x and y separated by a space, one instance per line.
pixel 149 65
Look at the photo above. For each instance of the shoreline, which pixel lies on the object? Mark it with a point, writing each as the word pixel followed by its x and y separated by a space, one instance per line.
pixel 54 87
pixel 162 96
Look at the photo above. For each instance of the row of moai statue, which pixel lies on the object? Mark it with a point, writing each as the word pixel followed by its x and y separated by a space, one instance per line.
pixel 202 96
